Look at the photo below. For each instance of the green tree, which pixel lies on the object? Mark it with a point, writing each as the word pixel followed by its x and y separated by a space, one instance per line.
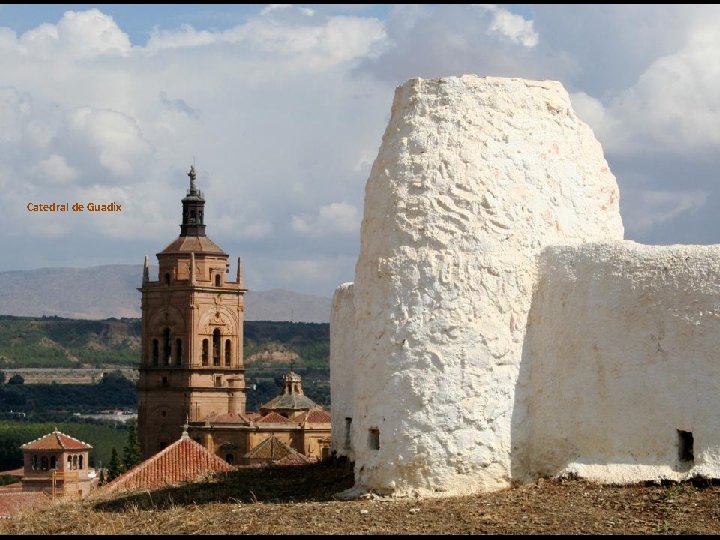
pixel 16 379
pixel 131 451
pixel 2 377
pixel 113 470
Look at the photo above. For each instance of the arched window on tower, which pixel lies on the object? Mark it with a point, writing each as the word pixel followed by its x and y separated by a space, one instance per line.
pixel 155 352
pixel 81 462
pixel 178 351
pixel 217 280
pixel 53 462
pixel 216 347
pixel 166 347
pixel 228 352
pixel 205 352
pixel 44 463
pixel 167 278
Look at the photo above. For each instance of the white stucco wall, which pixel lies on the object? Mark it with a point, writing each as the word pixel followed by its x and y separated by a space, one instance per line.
pixel 342 356
pixel 622 351
pixel 473 178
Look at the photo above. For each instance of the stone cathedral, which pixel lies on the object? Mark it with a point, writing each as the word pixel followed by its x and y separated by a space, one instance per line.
pixel 192 333
pixel 192 371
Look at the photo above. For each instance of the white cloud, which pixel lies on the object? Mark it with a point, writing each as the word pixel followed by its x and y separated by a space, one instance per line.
pixel 332 219
pixel 286 31
pixel 435 41
pixel 511 26
pixel 81 34
pixel 54 170
pixel 285 112
pixel 113 137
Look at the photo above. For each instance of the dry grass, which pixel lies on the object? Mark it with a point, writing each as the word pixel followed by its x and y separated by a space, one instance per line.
pixel 299 500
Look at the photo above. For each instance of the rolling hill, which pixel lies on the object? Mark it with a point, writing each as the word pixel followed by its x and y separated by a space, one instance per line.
pixel 101 292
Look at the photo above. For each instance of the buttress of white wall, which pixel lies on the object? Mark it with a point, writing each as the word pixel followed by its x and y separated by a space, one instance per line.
pixel 622 353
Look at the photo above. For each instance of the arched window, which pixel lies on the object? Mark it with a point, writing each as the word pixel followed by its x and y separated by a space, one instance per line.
pixel 216 347
pixel 81 462
pixel 205 352
pixel 228 352
pixel 69 465
pixel 178 351
pixel 34 463
pixel 192 216
pixel 53 462
pixel 166 347
pixel 167 278
pixel 75 462
pixel 155 352
pixel 217 280
pixel 44 463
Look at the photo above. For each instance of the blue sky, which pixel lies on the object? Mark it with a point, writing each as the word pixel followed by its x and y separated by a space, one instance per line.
pixel 283 108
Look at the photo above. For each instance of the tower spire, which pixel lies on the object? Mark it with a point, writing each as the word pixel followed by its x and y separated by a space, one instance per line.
pixel 193 209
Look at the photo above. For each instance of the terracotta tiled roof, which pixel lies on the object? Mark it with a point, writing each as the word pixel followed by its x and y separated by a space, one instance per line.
pixel 254 416
pixel 313 416
pixel 56 441
pixel 183 461
pixel 270 449
pixel 293 459
pixel 197 244
pixel 226 418
pixel 273 418
pixel 12 503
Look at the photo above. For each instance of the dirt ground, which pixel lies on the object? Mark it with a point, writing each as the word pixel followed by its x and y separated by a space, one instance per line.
pixel 300 500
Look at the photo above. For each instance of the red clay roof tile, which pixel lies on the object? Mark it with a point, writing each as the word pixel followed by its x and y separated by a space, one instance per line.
pixel 273 418
pixel 56 441
pixel 183 461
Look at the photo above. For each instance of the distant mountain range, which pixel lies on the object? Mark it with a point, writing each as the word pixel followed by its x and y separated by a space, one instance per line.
pixel 102 292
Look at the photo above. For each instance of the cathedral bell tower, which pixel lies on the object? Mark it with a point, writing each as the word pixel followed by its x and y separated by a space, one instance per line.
pixel 192 333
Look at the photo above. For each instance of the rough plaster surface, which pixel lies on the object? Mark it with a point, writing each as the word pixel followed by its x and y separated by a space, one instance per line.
pixel 341 373
pixel 621 352
pixel 473 178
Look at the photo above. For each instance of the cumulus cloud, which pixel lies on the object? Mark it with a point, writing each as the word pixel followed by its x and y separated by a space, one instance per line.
pixel 80 34
pixel 284 113
pixel 54 170
pixel 112 137
pixel 435 41
pixel 332 219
